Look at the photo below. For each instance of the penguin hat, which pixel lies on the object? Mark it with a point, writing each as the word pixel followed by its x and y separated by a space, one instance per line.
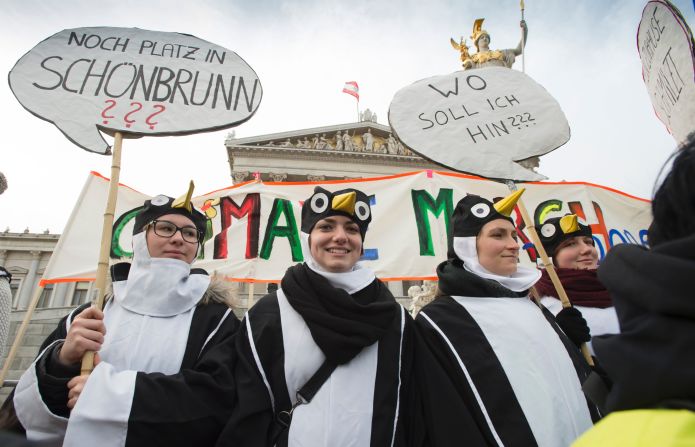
pixel 163 205
pixel 470 216
pixel 351 203
pixel 557 230
pixel 473 212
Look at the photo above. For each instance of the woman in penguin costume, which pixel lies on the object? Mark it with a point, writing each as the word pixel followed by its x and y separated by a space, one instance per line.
pixel 570 244
pixel 324 360
pixel 163 373
pixel 497 369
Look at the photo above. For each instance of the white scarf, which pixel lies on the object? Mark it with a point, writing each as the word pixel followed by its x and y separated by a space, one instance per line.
pixel 353 281
pixel 158 287
pixel 466 250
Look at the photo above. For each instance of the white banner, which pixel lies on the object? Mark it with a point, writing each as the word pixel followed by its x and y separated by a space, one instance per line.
pixel 480 121
pixel 135 81
pixel 665 45
pixel 253 228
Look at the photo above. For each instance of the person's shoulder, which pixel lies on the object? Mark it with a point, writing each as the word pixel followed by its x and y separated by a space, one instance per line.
pixel 267 305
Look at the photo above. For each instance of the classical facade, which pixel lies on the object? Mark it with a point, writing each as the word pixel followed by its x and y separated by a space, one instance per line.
pixel 345 151
pixel 363 149
pixel 26 255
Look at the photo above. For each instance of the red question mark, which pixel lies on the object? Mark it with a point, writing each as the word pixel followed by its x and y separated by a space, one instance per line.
pixel 161 109
pixel 103 112
pixel 127 115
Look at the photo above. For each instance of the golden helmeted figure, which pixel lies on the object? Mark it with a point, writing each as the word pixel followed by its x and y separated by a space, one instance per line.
pixel 485 57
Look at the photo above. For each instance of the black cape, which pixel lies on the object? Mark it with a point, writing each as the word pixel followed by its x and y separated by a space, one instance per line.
pixel 263 361
pixel 467 398
pixel 187 408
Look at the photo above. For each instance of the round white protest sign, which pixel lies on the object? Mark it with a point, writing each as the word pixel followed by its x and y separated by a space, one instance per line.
pixel 135 81
pixel 480 121
pixel 665 45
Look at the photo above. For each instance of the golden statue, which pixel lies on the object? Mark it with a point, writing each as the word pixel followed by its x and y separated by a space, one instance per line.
pixel 485 57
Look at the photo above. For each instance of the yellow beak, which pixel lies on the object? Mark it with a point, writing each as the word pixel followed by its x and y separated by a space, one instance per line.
pixel 185 200
pixel 345 202
pixel 569 224
pixel 506 205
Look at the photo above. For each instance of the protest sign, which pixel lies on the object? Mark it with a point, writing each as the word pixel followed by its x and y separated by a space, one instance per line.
pixel 253 228
pixel 480 121
pixel 133 81
pixel 665 45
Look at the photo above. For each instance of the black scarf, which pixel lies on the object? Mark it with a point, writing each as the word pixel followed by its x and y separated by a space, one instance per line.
pixel 341 324
pixel 454 280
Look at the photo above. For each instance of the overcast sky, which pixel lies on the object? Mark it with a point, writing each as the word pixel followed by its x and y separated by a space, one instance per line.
pixel 583 53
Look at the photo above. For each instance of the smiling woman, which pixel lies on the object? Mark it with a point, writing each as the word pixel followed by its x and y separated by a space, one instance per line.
pixel 496 369
pixel 571 245
pixel 333 324
pixel 169 339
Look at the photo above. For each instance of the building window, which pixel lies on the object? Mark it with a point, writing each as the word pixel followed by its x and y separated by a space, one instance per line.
pixel 45 298
pixel 14 288
pixel 81 294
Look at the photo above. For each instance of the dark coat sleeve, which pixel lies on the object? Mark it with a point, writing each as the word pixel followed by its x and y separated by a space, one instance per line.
pixel 252 420
pixel 192 406
pixel 446 402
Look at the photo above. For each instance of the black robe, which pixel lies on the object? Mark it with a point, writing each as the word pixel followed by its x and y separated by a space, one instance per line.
pixel 187 408
pixel 365 401
pixel 468 398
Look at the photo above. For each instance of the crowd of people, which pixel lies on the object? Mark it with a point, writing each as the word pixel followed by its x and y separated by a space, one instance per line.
pixel 331 359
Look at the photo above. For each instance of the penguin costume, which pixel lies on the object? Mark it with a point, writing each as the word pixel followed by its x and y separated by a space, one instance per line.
pixel 165 375
pixel 586 293
pixel 494 367
pixel 325 360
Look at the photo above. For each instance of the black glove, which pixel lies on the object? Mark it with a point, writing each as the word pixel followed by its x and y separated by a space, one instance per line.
pixel 573 325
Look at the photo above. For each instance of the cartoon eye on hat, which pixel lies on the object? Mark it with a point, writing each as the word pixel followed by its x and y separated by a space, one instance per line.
pixel 480 210
pixel 548 230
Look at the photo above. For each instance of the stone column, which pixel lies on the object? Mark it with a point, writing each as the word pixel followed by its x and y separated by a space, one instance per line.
pixel 3 257
pixel 29 281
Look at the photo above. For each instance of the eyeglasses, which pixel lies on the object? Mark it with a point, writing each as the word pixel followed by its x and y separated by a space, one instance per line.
pixel 164 228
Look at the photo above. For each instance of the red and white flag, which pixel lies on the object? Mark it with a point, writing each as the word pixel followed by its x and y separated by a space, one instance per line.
pixel 351 88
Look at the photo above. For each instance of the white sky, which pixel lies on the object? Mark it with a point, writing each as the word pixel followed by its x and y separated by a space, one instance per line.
pixel 584 53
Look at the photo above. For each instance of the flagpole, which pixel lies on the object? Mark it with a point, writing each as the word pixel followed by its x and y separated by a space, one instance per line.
pixel 523 40
pixel 357 106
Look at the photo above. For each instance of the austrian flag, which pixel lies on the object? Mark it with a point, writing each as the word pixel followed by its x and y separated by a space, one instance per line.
pixel 351 88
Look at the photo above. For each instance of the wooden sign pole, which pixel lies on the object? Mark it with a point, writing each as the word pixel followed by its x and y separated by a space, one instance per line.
pixel 550 268
pixel 106 233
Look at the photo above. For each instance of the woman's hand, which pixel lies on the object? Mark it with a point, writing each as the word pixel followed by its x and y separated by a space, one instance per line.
pixel 86 334
pixel 77 384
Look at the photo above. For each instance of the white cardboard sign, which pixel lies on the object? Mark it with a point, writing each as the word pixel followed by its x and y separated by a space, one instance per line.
pixel 665 45
pixel 480 121
pixel 135 81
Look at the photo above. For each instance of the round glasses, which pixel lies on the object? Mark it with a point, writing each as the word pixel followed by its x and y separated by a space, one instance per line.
pixel 164 228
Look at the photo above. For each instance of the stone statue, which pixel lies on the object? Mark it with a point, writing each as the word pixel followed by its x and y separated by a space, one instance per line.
pixel 400 148
pixel 392 145
pixel 338 141
pixel 315 142
pixel 347 142
pixel 485 57
pixel 368 139
pixel 286 143
pixel 306 144
pixel 421 296
pixel 323 143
